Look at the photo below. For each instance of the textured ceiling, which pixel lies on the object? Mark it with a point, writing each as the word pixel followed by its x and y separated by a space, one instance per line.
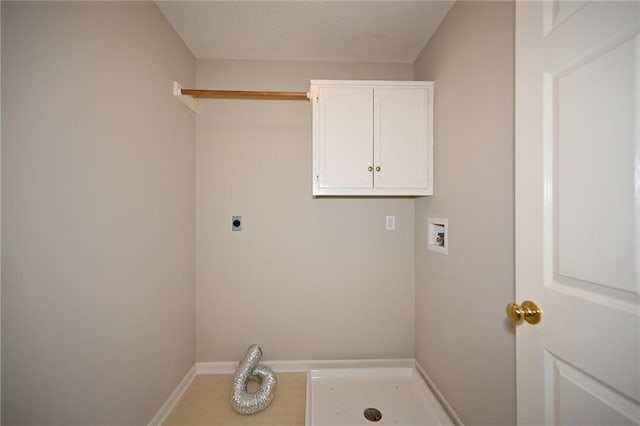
pixel 358 31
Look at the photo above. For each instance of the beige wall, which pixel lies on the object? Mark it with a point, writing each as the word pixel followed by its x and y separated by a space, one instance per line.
pixel 462 337
pixel 306 278
pixel 98 213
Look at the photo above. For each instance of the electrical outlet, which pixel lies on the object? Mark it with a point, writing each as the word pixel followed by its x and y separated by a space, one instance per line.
pixel 391 223
pixel 236 223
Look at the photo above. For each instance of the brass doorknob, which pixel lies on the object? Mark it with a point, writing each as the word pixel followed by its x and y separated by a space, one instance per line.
pixel 528 311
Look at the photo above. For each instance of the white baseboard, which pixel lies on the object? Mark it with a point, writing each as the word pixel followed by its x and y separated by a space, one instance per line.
pixel 302 366
pixel 226 367
pixel 443 401
pixel 166 408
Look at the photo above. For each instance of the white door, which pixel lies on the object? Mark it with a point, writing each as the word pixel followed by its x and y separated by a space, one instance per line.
pixel 577 211
pixel 401 138
pixel 345 137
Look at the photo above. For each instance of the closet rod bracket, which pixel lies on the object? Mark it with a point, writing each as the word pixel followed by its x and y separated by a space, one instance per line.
pixel 189 101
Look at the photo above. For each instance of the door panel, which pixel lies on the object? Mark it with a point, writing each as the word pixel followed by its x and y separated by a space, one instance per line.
pixel 401 135
pixel 586 401
pixel 556 12
pixel 345 133
pixel 592 106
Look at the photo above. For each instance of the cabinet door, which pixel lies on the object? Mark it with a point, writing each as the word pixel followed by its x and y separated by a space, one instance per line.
pixel 345 132
pixel 402 141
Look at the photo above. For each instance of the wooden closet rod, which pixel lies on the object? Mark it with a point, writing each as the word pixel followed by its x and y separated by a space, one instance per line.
pixel 198 93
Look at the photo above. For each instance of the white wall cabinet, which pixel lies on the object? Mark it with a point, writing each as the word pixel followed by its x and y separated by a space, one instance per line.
pixel 372 138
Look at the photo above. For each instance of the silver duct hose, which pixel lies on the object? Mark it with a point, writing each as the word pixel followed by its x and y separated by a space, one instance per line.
pixel 250 403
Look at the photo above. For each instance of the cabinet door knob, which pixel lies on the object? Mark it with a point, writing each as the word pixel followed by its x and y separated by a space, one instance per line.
pixel 370 168
pixel 378 169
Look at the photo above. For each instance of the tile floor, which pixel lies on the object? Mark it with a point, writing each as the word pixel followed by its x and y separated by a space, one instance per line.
pixel 206 402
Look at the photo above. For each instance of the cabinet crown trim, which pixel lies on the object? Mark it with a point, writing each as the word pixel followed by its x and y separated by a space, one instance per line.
pixel 372 83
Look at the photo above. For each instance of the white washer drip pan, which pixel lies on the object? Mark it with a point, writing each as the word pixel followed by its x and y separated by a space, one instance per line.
pixel 339 397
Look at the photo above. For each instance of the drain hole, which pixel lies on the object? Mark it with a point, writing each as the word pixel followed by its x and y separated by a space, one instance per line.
pixel 372 414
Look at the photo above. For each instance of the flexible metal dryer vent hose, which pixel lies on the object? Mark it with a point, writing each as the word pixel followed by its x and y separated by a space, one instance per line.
pixel 250 403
